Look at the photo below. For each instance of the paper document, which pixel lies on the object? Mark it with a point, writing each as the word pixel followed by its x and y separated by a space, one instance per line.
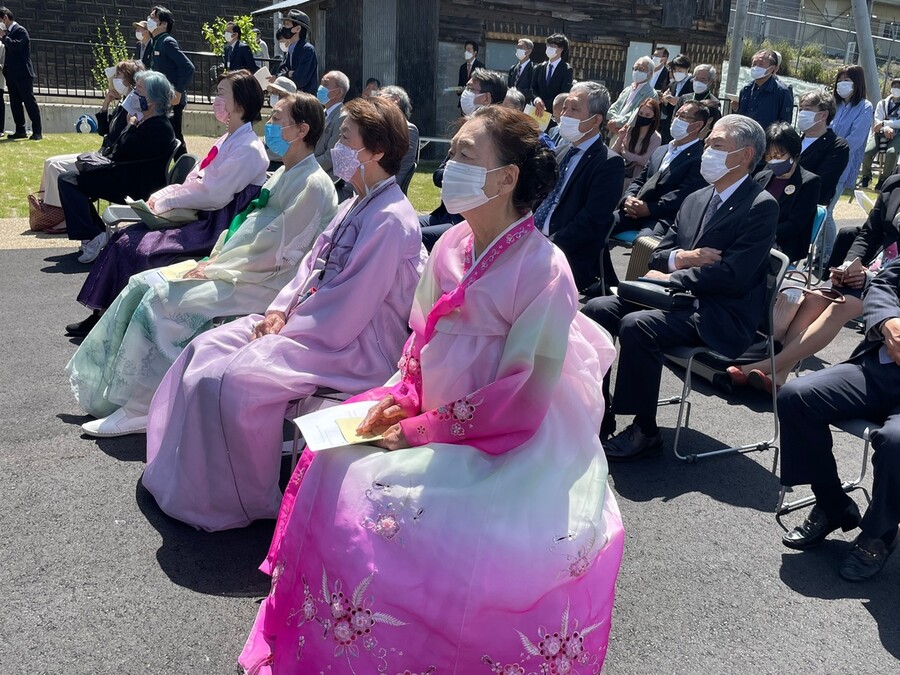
pixel 542 120
pixel 336 426
pixel 262 76
pixel 156 221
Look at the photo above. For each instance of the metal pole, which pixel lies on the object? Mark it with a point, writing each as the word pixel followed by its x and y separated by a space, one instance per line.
pixel 737 45
pixel 887 65
pixel 866 48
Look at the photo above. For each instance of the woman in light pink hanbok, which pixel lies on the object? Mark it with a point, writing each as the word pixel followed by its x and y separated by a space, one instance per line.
pixel 214 432
pixel 485 539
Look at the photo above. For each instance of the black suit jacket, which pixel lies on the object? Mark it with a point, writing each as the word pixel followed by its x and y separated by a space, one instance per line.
pixel 880 303
pixel 731 292
pixel 663 82
pixel 827 157
pixel 522 81
pixel 464 73
pixel 796 211
pixel 18 53
pixel 168 59
pixel 665 191
pixel 239 56
pixel 143 52
pixel 560 82
pixel 879 230
pixel 582 219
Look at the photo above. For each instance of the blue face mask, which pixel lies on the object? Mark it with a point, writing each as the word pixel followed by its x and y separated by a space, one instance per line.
pixel 275 141
pixel 322 94
pixel 143 101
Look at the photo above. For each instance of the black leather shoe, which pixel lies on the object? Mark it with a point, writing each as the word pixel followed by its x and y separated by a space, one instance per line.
pixel 17 135
pixel 817 527
pixel 82 328
pixel 37 137
pixel 632 445
pixel 607 426
pixel 866 559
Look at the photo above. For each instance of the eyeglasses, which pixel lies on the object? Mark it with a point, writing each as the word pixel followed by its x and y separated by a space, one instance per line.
pixel 474 91
pixel 686 118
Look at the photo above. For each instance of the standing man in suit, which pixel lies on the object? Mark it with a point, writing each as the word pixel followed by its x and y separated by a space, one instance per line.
pixel 717 248
pixel 19 75
pixel 467 68
pixel 237 54
pixel 866 386
pixel 261 55
pixel 766 99
pixel 633 95
pixel 660 77
pixel 143 49
pixel 519 76
pixel 553 76
pixel 823 152
pixel 331 93
pixel 302 62
pixel 680 68
pixel 168 59
pixel 577 214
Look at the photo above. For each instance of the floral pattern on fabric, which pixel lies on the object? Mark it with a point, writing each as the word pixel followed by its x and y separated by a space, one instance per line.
pixel 584 557
pixel 460 414
pixel 558 653
pixel 390 516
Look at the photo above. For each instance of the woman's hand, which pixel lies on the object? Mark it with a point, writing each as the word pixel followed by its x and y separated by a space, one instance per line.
pixel 152 204
pixel 384 413
pixel 394 439
pixel 623 131
pixel 848 278
pixel 197 272
pixel 132 120
pixel 270 325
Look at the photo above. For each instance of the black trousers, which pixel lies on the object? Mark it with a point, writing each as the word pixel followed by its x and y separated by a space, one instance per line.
pixel 863 388
pixel 643 335
pixel 2 112
pixel 82 220
pixel 177 120
pixel 21 95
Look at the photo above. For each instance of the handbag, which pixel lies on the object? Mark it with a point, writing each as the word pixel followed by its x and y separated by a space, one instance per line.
pixel 91 161
pixel 656 294
pixel 43 217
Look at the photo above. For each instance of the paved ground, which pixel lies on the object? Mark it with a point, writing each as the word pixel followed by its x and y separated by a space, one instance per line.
pixel 95 579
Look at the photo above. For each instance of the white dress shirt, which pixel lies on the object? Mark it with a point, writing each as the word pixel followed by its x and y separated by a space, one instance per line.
pixel 673 152
pixel 570 169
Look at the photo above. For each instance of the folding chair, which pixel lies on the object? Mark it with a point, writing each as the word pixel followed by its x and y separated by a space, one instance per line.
pixel 861 429
pixel 624 238
pixel 321 398
pixel 407 179
pixel 818 220
pixel 778 265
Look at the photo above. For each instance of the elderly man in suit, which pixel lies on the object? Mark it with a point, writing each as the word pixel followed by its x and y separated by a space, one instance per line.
pixel 331 93
pixel 519 76
pixel 577 214
pixel 237 54
pixel 640 89
pixel 866 386
pixel 19 75
pixel 552 77
pixel 717 248
pixel 143 49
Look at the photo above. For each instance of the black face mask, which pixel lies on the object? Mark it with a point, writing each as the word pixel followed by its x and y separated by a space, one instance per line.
pixel 644 121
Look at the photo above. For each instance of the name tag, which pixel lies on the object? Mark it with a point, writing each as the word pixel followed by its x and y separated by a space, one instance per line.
pixel 155 53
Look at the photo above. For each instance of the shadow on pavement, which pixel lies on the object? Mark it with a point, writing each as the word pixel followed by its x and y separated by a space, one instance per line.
pixel 65 263
pixel 814 574
pixel 214 563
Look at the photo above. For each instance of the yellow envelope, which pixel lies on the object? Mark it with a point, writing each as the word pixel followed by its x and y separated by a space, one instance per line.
pixel 348 426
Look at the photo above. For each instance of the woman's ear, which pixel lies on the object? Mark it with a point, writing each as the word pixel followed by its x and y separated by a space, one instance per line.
pixel 509 177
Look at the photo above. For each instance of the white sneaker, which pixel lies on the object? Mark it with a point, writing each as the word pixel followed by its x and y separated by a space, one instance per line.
pixel 92 249
pixel 120 423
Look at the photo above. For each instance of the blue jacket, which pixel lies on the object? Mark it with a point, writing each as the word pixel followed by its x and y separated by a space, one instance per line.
pixel 303 64
pixel 766 104
pixel 168 59
pixel 853 123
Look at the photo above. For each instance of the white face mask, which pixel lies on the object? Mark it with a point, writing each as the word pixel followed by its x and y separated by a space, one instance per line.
pixel 139 35
pixel 119 86
pixel 679 128
pixel 552 52
pixel 656 61
pixel 467 102
pixel 229 36
pixel 639 76
pixel 895 92
pixel 520 54
pixel 463 186
pixel 712 165
pixel 570 128
pixel 700 87
pixel 758 72
pixel 283 47
pixel 806 120
pixel 152 25
pixel 844 89
pixel 469 55
pixel 679 76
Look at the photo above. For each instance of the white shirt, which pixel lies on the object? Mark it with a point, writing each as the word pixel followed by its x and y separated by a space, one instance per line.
pixel 673 152
pixel 570 169
pixel 656 75
pixel 330 109
pixel 723 195
pixel 807 141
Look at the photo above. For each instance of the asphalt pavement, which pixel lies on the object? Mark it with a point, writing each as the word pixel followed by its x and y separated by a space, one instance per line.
pixel 95 579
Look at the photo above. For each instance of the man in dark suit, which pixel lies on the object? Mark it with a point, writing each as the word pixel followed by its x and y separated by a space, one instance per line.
pixel 866 386
pixel 717 248
pixel 682 83
pixel 237 54
pixel 577 214
pixel 519 75
pixel 823 153
pixel 660 77
pixel 19 76
pixel 553 76
pixel 143 50
pixel 168 59
pixel 470 64
pixel 301 58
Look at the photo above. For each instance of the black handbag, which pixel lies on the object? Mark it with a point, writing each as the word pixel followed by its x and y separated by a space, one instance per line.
pixel 91 161
pixel 656 294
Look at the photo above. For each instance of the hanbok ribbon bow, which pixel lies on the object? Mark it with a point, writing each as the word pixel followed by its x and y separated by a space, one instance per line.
pixel 258 203
pixel 210 157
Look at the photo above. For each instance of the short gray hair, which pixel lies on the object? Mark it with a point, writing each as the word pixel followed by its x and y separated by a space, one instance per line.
pixel 516 98
pixel 598 96
pixel 528 43
pixel 646 62
pixel 746 133
pixel 341 80
pixel 559 99
pixel 398 95
pixel 709 69
pixel 158 88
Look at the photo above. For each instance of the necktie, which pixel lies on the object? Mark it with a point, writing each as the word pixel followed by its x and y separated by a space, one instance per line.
pixel 543 211
pixel 711 209
pixel 549 71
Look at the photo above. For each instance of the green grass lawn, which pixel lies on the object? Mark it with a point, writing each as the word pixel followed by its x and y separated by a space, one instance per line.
pixel 23 164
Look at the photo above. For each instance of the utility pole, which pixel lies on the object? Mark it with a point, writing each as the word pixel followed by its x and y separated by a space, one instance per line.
pixel 741 8
pixel 866 48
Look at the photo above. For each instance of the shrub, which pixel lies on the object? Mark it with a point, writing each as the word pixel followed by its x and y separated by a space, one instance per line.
pixel 214 33
pixel 109 50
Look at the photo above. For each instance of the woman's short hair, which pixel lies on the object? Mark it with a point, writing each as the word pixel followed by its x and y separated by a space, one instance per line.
pixel 303 107
pixel 158 88
pixel 822 100
pixel 246 92
pixel 399 96
pixel 783 136
pixel 382 128
pixel 858 76
pixel 128 69
pixel 516 139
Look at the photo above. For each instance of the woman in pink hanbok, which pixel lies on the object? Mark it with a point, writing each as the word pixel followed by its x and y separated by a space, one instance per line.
pixel 214 431
pixel 481 536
